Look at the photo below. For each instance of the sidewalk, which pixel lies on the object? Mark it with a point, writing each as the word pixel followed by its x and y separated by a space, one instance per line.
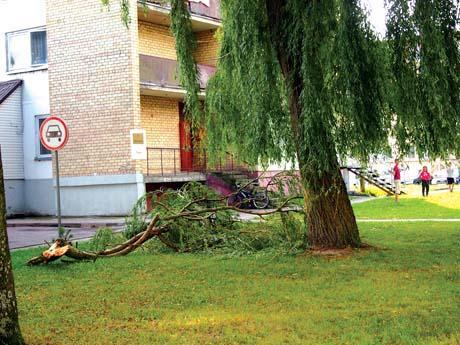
pixel 34 231
pixel 71 222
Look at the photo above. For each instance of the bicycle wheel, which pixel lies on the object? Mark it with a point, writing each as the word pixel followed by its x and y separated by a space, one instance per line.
pixel 260 200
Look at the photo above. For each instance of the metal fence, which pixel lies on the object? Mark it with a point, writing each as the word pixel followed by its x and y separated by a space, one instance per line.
pixel 196 7
pixel 164 161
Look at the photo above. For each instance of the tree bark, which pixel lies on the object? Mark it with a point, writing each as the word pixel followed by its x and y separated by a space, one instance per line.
pixel 330 218
pixel 329 215
pixel 9 322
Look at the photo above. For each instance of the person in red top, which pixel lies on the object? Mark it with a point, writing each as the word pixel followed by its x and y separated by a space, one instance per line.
pixel 426 178
pixel 397 179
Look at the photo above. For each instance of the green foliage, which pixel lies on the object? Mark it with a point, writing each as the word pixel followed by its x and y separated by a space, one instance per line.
pixel 246 108
pixel 215 228
pixel 136 222
pixel 281 236
pixel 301 81
pixel 424 60
pixel 181 28
pixel 104 238
pixel 355 81
pixel 292 234
pixel 194 233
pixel 64 234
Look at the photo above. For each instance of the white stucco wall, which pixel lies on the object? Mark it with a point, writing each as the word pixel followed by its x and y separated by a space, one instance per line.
pixel 18 15
pixel 11 130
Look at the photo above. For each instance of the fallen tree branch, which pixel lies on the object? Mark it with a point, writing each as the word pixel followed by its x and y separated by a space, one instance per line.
pixel 61 247
pixel 159 225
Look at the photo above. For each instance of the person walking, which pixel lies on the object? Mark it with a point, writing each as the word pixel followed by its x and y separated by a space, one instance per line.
pixel 450 177
pixel 425 177
pixel 397 179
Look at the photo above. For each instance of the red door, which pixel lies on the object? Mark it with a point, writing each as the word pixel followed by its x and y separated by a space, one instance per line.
pixel 185 139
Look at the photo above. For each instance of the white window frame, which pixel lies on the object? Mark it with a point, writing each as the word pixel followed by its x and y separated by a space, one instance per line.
pixel 38 155
pixel 31 67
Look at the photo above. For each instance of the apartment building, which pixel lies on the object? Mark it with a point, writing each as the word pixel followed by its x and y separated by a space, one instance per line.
pixel 24 103
pixel 117 89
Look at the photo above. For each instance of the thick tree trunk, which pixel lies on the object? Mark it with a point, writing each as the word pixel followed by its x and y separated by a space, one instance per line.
pixel 330 218
pixel 9 323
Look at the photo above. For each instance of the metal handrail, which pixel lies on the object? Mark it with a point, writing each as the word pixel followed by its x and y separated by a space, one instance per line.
pixel 212 11
pixel 167 161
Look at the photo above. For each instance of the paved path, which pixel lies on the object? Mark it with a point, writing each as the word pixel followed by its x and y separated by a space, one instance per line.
pixel 361 199
pixel 29 232
pixel 73 222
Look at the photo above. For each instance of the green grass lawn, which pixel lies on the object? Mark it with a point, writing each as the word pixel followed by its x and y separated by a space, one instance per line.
pixel 407 292
pixel 440 205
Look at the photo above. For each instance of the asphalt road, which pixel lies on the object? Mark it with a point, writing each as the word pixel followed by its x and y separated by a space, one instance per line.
pixel 27 236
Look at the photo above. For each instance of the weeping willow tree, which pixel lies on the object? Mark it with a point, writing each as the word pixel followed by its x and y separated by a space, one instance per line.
pixel 424 37
pixel 309 82
pixel 300 81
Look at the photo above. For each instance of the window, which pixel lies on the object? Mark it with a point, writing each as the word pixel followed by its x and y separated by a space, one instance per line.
pixel 26 49
pixel 41 151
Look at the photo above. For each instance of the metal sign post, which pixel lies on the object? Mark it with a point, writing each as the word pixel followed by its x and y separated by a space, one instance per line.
pixel 54 135
pixel 58 189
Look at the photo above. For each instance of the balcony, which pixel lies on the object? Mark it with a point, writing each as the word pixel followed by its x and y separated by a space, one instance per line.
pixel 175 164
pixel 159 77
pixel 203 17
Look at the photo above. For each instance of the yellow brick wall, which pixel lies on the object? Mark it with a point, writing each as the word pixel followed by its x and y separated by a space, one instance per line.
pixel 156 40
pixel 94 85
pixel 160 119
pixel 207 48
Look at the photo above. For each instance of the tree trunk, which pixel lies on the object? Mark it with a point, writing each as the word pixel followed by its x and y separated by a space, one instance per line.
pixel 330 218
pixel 362 185
pixel 9 323
pixel 329 215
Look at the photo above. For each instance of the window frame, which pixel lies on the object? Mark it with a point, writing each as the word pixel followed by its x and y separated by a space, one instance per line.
pixel 31 67
pixel 38 155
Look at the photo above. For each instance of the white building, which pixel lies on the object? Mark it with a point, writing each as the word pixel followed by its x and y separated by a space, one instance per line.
pixel 23 56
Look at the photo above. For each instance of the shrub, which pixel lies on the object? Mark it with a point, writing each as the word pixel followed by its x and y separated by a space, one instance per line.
pixel 136 222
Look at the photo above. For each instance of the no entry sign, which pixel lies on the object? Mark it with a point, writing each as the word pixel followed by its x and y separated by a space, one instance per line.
pixel 54 133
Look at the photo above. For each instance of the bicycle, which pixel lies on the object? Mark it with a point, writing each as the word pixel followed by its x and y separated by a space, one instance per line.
pixel 245 198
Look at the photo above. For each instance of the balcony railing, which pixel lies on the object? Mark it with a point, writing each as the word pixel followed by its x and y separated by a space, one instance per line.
pixel 199 8
pixel 163 72
pixel 171 161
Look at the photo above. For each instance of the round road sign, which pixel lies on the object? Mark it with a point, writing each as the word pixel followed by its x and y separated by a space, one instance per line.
pixel 54 133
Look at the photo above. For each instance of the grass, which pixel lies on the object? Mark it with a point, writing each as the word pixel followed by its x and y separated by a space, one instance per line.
pixel 410 189
pixel 439 205
pixel 405 293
